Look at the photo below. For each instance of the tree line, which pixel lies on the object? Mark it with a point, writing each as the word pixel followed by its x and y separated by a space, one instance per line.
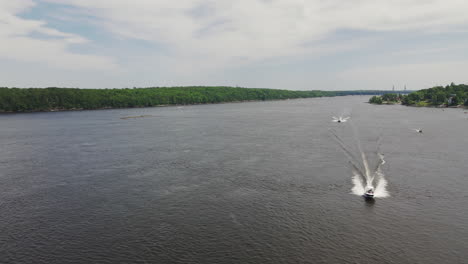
pixel 49 99
pixel 388 98
pixel 450 95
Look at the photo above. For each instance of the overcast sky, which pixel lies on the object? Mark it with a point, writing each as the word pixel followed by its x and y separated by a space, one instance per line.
pixel 287 44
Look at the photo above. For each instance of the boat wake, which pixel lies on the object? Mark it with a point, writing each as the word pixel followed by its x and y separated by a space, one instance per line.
pixel 376 180
pixel 363 175
pixel 340 119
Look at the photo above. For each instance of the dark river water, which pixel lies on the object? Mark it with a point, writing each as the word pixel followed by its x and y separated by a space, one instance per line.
pixel 259 182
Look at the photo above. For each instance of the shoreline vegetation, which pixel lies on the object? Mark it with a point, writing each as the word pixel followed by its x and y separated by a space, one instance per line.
pixel 132 117
pixel 452 95
pixel 51 99
pixel 390 98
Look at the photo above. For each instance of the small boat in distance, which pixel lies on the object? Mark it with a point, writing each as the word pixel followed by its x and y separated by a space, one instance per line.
pixel 340 119
pixel 369 194
pixel 419 130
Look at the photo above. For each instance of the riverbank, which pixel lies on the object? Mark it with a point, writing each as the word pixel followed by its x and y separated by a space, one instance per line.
pixel 452 95
pixel 133 107
pixel 14 100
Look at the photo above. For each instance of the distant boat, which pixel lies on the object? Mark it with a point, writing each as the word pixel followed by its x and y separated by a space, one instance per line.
pixel 419 130
pixel 340 119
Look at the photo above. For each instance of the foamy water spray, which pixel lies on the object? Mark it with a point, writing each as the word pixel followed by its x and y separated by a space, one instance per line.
pixel 381 186
pixel 364 177
pixel 375 179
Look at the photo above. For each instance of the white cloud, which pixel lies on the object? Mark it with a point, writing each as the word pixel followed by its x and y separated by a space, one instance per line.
pixel 223 32
pixel 18 44
pixel 210 41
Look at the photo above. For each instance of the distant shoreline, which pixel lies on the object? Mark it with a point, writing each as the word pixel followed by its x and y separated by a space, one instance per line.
pixel 28 100
pixel 450 96
pixel 134 107
pixel 427 106
pixel 156 106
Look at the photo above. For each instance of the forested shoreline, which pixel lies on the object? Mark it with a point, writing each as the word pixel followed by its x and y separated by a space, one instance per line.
pixel 59 99
pixel 452 95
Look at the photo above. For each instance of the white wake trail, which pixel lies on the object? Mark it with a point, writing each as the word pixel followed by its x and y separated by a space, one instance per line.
pixel 360 182
pixel 367 177
pixel 381 187
pixel 368 174
pixel 358 185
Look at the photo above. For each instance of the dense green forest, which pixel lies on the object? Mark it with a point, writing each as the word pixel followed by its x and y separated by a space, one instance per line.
pixel 450 95
pixel 50 99
pixel 389 98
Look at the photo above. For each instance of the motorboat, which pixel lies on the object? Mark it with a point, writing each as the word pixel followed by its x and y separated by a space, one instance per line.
pixel 340 119
pixel 369 194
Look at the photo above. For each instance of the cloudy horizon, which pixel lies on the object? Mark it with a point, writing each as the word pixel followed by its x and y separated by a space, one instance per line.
pixel 282 44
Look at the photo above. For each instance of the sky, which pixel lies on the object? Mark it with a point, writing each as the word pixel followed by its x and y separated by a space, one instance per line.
pixel 282 44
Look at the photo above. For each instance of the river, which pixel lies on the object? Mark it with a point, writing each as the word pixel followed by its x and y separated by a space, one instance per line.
pixel 256 182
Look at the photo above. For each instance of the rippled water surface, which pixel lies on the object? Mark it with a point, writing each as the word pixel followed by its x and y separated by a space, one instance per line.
pixel 260 182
